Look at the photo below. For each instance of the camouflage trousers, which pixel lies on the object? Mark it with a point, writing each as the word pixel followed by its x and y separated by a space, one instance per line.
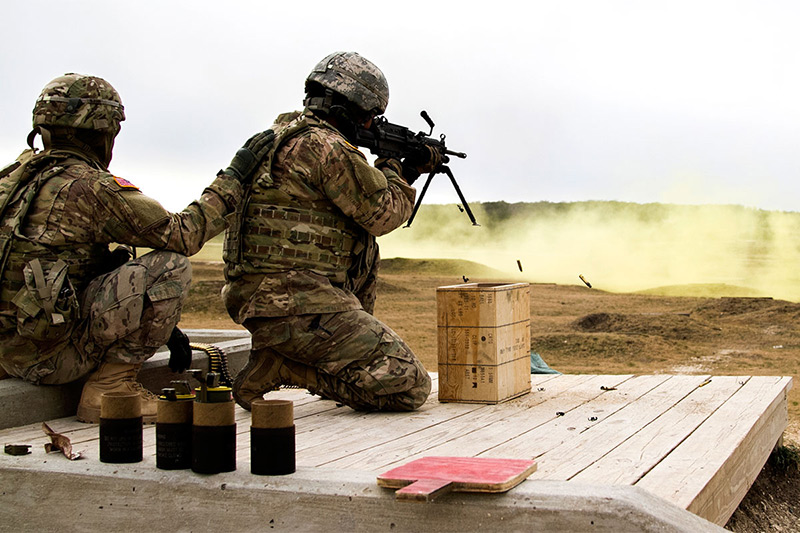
pixel 359 361
pixel 126 315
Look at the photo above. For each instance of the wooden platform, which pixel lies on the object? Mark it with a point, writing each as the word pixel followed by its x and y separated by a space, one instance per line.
pixel 697 442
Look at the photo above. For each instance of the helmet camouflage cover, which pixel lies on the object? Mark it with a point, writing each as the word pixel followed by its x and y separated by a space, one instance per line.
pixel 78 101
pixel 355 78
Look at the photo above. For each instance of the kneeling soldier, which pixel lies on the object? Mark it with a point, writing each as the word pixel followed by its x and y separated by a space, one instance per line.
pixel 68 305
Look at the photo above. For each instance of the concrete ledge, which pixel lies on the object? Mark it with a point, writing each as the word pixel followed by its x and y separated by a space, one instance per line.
pixel 22 403
pixel 137 497
pixel 155 374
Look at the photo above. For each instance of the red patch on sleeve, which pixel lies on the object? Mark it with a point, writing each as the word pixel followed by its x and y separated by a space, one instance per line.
pixel 125 184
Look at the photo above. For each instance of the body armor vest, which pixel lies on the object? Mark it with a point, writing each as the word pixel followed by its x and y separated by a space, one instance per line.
pixel 19 185
pixel 274 232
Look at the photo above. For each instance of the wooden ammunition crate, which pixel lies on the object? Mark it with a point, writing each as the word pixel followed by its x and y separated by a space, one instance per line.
pixel 484 336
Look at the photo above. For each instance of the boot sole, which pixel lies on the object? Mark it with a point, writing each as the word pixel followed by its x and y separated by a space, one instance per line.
pixel 237 384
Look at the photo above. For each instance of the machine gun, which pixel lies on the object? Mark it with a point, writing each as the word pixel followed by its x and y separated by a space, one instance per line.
pixel 385 139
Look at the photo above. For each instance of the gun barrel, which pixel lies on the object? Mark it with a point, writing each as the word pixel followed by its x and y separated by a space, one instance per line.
pixel 460 155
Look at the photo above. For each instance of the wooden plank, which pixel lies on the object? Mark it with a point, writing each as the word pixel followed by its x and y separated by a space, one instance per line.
pixel 395 440
pixel 348 425
pixel 558 429
pixel 478 436
pixel 468 436
pixel 731 448
pixel 603 435
pixel 320 439
pixel 22 434
pixel 411 434
pixel 77 432
pixel 632 459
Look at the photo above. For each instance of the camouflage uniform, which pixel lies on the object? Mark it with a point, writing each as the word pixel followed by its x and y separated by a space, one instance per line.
pixel 301 266
pixel 124 314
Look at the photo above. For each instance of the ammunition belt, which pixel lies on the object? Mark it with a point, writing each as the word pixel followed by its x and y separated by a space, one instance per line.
pixel 217 361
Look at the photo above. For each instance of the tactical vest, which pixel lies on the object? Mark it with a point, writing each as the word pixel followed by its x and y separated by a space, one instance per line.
pixel 19 183
pixel 36 292
pixel 275 232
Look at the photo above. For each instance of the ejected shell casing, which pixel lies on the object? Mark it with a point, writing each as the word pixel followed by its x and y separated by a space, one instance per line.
pixel 214 432
pixel 121 427
pixel 174 430
pixel 272 438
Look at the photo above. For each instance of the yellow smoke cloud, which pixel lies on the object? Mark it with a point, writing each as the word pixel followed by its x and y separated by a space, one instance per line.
pixel 616 246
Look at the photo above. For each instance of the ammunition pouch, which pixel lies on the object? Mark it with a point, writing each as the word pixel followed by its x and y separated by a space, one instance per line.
pixel 47 305
pixel 279 238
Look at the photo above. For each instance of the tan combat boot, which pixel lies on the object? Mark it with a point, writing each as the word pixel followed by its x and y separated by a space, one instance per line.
pixel 114 377
pixel 267 372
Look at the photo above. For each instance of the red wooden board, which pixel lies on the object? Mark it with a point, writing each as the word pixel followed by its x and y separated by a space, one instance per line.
pixel 431 476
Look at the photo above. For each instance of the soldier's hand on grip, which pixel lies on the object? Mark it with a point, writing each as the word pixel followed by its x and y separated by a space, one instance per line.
pixel 424 160
pixel 249 156
pixel 180 354
pixel 390 163
pixel 116 258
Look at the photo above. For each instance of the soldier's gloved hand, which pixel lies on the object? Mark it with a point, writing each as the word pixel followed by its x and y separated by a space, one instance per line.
pixel 424 160
pixel 249 156
pixel 180 354
pixel 118 257
pixel 391 163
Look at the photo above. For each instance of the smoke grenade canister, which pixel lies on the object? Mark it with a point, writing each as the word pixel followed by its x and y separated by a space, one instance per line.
pixel 120 427
pixel 214 428
pixel 272 434
pixel 174 427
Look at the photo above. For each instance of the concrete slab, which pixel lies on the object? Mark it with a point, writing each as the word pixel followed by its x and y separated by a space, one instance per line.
pixel 22 403
pixel 138 498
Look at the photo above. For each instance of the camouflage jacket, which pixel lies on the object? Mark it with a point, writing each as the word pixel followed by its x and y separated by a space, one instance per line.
pixel 315 171
pixel 80 209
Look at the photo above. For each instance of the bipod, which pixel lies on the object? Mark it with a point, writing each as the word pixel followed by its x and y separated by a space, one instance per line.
pixel 445 169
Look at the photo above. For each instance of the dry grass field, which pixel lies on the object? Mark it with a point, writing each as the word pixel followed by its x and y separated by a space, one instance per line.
pixel 581 330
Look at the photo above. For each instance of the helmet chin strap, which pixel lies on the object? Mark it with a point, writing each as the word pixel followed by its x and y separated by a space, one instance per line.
pixel 108 149
pixel 40 131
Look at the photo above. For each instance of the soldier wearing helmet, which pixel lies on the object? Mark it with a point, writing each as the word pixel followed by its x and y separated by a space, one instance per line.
pixel 70 307
pixel 302 260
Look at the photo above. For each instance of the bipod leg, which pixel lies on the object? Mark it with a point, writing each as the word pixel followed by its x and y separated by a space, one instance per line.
pixel 419 200
pixel 460 195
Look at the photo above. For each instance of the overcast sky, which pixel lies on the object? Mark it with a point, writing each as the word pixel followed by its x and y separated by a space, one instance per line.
pixel 644 101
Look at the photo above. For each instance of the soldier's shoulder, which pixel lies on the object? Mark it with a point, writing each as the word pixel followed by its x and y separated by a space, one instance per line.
pixel 115 183
pixel 335 142
pixel 286 118
pixel 347 146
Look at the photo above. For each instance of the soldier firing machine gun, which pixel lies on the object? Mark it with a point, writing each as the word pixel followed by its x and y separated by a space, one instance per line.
pixel 385 139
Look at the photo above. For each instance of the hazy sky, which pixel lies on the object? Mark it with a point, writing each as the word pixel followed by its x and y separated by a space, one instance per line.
pixel 658 101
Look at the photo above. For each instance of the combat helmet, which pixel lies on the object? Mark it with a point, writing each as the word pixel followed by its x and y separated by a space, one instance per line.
pixel 355 78
pixel 81 102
